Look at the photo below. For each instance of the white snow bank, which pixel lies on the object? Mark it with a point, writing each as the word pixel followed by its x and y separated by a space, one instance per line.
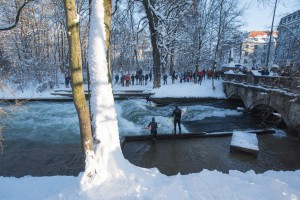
pixel 149 184
pixel 191 90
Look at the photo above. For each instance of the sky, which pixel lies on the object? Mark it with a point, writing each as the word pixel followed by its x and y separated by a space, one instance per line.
pixel 258 16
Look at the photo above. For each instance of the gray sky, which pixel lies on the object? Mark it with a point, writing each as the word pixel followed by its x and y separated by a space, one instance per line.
pixel 259 16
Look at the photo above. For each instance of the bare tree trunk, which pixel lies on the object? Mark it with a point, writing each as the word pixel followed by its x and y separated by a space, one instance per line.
pixel 172 61
pixel 76 76
pixel 156 55
pixel 217 46
pixel 107 4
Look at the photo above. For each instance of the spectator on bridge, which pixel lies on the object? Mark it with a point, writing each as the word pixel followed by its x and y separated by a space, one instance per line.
pixel 153 129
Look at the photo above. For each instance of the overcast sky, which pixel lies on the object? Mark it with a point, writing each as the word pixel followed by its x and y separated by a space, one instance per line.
pixel 259 16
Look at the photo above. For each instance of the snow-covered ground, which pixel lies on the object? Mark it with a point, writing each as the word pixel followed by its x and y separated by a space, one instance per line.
pixel 109 176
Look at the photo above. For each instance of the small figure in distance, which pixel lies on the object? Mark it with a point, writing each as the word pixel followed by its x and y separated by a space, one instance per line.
pixel 148 99
pixel 67 81
pixel 177 118
pixel 153 129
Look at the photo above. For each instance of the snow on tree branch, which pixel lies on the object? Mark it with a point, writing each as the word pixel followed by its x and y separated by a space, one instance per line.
pixel 13 25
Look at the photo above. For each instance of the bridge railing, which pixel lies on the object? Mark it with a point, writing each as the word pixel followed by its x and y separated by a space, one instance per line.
pixel 281 82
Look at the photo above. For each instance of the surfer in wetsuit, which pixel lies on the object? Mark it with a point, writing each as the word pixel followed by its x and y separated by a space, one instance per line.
pixel 148 99
pixel 177 118
pixel 153 129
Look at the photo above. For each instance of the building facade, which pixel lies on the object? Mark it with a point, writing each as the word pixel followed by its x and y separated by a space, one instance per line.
pixel 287 52
pixel 255 48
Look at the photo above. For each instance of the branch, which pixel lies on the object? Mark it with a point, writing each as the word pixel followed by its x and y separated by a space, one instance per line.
pixel 116 7
pixel 9 27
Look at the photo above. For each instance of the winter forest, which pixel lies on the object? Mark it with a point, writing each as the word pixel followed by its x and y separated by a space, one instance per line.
pixel 144 35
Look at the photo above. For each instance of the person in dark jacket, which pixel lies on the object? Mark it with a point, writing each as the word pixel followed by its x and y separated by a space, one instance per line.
pixel 117 79
pixel 67 81
pixel 165 76
pixel 153 129
pixel 132 79
pixel 177 118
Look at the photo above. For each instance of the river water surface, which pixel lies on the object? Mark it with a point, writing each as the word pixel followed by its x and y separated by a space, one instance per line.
pixel 42 139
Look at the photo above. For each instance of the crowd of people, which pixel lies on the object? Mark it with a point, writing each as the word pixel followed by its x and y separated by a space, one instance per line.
pixel 140 78
pixel 126 80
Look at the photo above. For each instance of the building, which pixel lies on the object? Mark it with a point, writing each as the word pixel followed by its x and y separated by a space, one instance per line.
pixel 254 49
pixel 288 43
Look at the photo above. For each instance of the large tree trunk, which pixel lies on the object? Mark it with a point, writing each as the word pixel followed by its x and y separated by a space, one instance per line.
pixel 76 76
pixel 156 55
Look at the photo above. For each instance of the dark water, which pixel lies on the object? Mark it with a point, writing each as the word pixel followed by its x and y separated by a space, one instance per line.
pixel 276 151
pixel 193 155
pixel 27 157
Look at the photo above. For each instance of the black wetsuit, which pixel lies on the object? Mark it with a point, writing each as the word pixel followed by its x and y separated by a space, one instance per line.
pixel 177 119
pixel 153 130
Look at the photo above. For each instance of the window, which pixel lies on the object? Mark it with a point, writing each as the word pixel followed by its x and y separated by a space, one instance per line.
pixel 284 20
pixel 246 53
pixel 255 46
pixel 245 61
pixel 247 46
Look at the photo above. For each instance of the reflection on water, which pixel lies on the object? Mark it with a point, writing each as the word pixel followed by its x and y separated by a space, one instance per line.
pixel 193 155
pixel 25 157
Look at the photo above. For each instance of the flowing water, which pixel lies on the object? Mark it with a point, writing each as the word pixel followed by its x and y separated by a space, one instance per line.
pixel 42 139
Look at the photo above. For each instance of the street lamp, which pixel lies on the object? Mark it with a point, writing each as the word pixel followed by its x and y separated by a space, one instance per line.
pixel 271 34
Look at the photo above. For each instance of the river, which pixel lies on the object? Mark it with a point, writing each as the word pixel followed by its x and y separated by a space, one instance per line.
pixel 42 138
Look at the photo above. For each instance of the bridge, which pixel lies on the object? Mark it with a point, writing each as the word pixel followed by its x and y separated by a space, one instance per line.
pixel 282 94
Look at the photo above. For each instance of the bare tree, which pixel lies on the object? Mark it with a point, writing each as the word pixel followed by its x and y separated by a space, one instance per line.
pixel 77 79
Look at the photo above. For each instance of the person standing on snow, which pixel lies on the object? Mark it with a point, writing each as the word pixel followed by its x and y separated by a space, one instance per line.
pixel 165 79
pixel 177 118
pixel 67 81
pixel 117 79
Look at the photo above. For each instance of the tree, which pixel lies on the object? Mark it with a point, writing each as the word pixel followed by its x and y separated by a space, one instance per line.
pixel 16 21
pixel 153 20
pixel 107 22
pixel 76 76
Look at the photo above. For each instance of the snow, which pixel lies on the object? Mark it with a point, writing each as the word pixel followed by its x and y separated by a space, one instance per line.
pixel 191 90
pixel 244 140
pixel 77 19
pixel 109 175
